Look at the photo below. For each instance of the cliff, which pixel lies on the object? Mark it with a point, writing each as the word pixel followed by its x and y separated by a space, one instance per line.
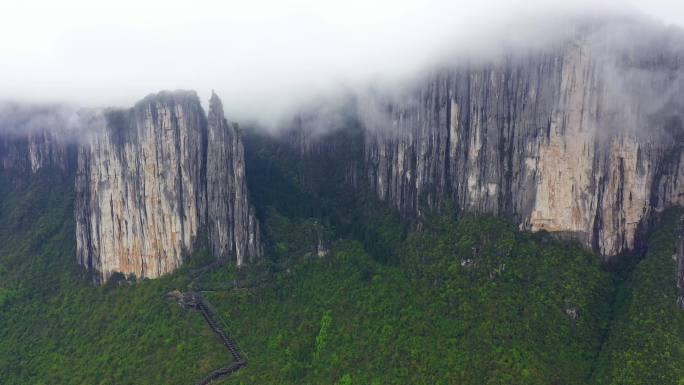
pixel 583 138
pixel 142 189
pixel 232 227
pixel 32 137
pixel 679 258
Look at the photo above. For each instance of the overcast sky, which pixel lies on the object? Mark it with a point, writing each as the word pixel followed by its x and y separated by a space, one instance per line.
pixel 258 55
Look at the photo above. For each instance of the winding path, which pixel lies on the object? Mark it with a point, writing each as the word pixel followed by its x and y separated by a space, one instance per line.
pixel 195 301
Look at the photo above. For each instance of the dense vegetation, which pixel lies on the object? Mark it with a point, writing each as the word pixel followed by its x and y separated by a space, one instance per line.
pixel 466 304
pixel 55 328
pixel 646 340
pixel 465 300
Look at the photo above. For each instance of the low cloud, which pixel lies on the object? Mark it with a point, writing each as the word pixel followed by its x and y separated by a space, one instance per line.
pixel 266 58
pixel 69 123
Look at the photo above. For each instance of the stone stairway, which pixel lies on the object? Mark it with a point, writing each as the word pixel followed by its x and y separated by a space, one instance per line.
pixel 195 301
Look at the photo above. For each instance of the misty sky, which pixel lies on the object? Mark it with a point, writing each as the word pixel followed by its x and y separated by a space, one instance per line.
pixel 260 56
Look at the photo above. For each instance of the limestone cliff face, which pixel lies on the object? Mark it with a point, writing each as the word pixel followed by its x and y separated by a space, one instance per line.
pixel 584 138
pixel 680 265
pixel 142 189
pixel 232 228
pixel 31 138
pixel 36 151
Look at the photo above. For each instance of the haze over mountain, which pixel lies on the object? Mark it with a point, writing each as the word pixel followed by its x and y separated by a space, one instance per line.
pixel 263 57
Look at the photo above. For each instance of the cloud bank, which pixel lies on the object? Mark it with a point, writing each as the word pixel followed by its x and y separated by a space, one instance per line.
pixel 262 57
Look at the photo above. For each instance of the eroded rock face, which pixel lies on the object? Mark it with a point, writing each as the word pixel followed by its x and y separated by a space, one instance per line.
pixel 232 227
pixel 138 189
pixel 585 138
pixel 35 152
pixel 148 180
pixel 142 188
pixel 680 265
pixel 31 137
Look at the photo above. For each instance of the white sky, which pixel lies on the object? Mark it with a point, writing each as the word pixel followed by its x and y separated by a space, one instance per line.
pixel 260 56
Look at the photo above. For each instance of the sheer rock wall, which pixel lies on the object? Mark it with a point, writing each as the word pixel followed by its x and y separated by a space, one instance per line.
pixel 155 177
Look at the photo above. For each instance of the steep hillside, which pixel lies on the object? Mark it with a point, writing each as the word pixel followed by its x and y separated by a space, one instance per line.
pixel 646 340
pixel 485 305
pixel 55 328
pixel 346 294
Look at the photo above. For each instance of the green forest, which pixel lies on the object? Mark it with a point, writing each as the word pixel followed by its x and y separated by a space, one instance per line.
pixel 450 298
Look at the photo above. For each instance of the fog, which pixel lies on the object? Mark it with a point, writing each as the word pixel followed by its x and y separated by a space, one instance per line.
pixel 67 122
pixel 262 57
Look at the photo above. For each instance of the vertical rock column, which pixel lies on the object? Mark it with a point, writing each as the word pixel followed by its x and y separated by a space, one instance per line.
pixel 139 187
pixel 231 225
pixel 152 179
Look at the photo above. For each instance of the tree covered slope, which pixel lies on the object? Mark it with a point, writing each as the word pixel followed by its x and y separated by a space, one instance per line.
pixel 646 340
pixel 56 328
pixel 463 300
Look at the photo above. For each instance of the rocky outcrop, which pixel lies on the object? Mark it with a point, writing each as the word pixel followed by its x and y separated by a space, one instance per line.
pixel 138 189
pixel 147 182
pixel 679 257
pixel 35 152
pixel 31 138
pixel 232 228
pixel 584 138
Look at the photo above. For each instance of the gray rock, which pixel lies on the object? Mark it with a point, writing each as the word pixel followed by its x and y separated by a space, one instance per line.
pixel 583 139
pixel 680 265
pixel 31 137
pixel 152 179
pixel 232 228
pixel 147 179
